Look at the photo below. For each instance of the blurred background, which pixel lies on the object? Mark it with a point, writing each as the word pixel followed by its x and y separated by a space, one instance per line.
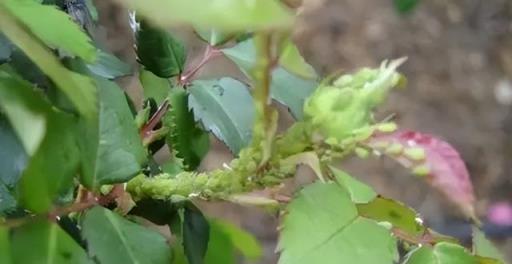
pixel 459 88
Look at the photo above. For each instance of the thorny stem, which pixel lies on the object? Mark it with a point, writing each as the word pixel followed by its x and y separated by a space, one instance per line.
pixel 91 201
pixel 262 77
pixel 266 119
pixel 147 128
pixel 86 200
pixel 209 54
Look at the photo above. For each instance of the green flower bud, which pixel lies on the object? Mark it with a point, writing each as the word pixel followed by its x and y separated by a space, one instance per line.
pixel 346 106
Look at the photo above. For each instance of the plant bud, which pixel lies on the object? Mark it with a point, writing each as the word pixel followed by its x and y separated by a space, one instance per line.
pixel 340 109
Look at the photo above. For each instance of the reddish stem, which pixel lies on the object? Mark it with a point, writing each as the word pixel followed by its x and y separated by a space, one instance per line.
pixel 91 201
pixel 145 131
pixel 425 239
pixel 76 207
pixel 209 54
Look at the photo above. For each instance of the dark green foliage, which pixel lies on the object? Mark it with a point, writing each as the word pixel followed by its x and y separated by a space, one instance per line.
pixel 5 49
pixel 7 201
pixel 48 244
pixel 159 52
pixel 196 234
pixel 189 142
pixel 112 239
pixel 13 158
pixel 160 212
pixel 111 148
pixel 48 138
pixel 216 103
pixel 109 66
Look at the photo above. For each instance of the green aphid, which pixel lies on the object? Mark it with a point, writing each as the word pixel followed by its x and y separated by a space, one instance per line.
pixel 394 149
pixel 382 144
pixel 415 153
pixel 421 170
pixel 362 153
pixel 387 127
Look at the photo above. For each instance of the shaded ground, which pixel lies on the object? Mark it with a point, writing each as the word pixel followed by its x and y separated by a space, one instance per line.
pixel 459 71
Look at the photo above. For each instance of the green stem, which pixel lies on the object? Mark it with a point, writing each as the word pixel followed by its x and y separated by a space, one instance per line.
pixel 266 118
pixel 240 176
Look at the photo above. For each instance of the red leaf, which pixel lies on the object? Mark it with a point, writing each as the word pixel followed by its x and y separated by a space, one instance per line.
pixel 433 158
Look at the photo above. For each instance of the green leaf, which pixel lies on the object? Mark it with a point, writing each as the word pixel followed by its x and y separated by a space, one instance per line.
pixel 160 212
pixel 113 239
pixel 405 6
pixel 52 168
pixel 305 158
pixel 286 88
pixel 172 167
pixel 243 55
pixel 243 241
pixel 422 255
pixel 54 154
pixel 178 255
pixel 441 253
pixel 292 60
pixel 28 70
pixel 7 202
pixel 322 226
pixel 220 247
pixel 47 243
pixel 228 15
pixel 224 107
pixel 13 157
pixel 224 239
pixel 214 37
pixel 26 111
pixel 159 52
pixel 396 213
pixel 112 147
pixel 154 86
pixel 196 234
pixel 189 141
pixel 79 89
pixel 359 192
pixel 5 246
pixel 5 49
pixel 52 26
pixel 291 91
pixel 109 66
pixel 485 248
